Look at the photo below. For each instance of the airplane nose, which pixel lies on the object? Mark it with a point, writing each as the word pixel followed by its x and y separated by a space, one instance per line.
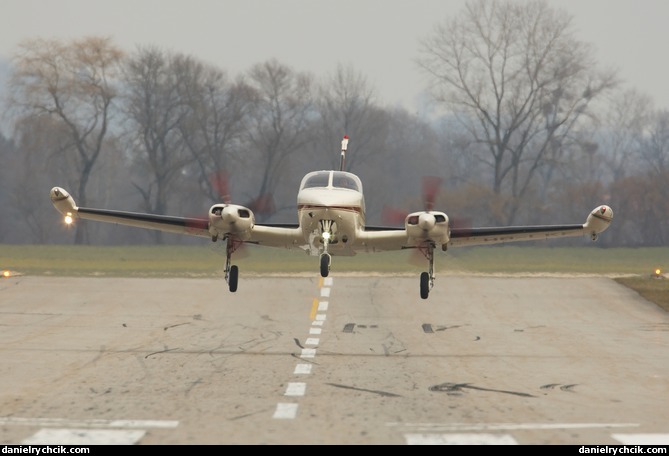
pixel 426 221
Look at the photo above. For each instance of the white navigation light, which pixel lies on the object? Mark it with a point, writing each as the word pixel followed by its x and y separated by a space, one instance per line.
pixel 68 218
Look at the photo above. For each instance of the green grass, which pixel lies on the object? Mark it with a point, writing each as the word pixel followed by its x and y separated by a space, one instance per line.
pixel 653 289
pixel 630 267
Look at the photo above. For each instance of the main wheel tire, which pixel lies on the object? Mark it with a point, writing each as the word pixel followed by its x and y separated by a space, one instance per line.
pixel 424 285
pixel 325 265
pixel 233 277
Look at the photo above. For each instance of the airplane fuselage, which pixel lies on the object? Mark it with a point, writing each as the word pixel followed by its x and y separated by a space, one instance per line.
pixel 331 203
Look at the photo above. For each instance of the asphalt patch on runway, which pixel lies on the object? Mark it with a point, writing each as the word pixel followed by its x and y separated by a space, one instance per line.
pixel 430 329
pixel 349 327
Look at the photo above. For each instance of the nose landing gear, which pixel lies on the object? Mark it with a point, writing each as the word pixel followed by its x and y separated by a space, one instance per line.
pixel 326 235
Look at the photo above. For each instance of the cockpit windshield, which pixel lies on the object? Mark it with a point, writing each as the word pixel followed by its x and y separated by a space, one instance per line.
pixel 319 179
pixel 344 180
pixel 340 179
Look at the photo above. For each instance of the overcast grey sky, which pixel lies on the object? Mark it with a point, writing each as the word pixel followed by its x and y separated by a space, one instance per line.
pixel 378 37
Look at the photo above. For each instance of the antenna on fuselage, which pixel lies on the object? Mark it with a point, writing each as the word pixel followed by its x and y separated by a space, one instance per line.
pixel 344 146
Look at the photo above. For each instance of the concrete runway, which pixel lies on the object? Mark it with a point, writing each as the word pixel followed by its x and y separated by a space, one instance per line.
pixel 343 360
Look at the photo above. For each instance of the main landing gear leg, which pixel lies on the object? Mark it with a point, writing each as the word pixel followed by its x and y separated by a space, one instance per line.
pixel 231 271
pixel 427 278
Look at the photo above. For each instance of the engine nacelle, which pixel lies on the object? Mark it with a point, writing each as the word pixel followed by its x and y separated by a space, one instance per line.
pixel 225 219
pixel 432 225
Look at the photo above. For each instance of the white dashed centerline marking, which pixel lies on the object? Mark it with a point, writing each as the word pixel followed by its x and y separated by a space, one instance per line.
pixel 302 369
pixel 285 411
pixel 308 353
pixel 295 389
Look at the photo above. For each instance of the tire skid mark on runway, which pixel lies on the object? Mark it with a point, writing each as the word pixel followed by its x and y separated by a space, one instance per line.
pixel 380 393
pixel 317 315
pixel 551 386
pixel 459 387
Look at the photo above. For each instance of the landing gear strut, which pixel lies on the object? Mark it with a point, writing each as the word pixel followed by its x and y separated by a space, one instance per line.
pixel 427 278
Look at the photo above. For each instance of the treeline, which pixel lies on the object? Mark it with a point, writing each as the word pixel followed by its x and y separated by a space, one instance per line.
pixel 525 129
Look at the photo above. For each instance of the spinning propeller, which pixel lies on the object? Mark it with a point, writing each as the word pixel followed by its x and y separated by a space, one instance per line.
pixel 262 205
pixel 430 187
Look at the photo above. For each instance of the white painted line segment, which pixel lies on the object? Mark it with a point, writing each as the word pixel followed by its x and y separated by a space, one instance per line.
pixel 84 437
pixel 285 411
pixel 296 389
pixel 302 369
pixel 460 439
pixel 642 439
pixel 95 423
pixel 308 353
pixel 460 427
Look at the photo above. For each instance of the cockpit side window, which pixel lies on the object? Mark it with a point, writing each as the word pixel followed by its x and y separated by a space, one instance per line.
pixel 318 180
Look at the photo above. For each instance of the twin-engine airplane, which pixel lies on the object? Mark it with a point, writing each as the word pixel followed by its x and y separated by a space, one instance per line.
pixel 331 221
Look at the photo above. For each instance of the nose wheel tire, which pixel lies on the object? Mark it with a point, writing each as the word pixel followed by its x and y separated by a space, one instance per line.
pixel 424 285
pixel 325 265
pixel 232 278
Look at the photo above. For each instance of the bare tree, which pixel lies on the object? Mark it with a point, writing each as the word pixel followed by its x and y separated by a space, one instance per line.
pixel 654 147
pixel 346 106
pixel 620 134
pixel 279 122
pixel 74 83
pixel 518 80
pixel 213 130
pixel 155 110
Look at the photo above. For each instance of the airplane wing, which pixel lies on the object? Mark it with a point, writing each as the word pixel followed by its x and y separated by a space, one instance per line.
pixel 177 225
pixel 380 239
pixel 274 235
